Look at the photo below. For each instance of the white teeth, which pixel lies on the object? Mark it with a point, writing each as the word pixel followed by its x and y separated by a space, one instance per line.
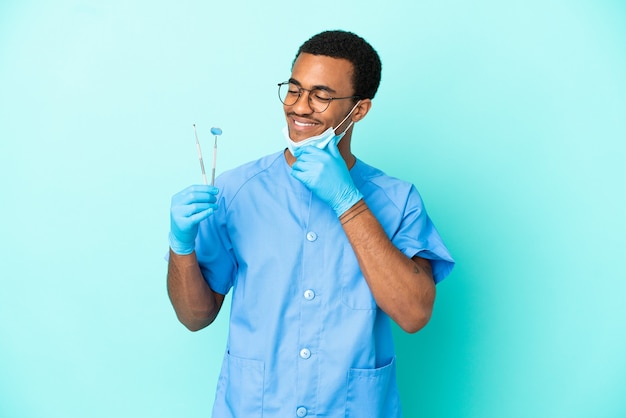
pixel 303 124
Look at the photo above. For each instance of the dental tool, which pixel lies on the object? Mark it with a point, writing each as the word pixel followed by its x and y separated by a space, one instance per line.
pixel 200 156
pixel 217 132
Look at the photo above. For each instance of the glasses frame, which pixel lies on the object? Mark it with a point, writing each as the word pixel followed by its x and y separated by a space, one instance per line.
pixel 302 89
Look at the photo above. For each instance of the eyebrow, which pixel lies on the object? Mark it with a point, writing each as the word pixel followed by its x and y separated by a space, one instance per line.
pixel 319 87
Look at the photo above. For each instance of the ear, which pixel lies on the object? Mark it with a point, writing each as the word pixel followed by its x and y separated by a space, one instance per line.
pixel 361 110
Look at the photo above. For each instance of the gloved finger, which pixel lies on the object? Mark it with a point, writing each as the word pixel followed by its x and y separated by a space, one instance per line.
pixel 307 166
pixel 192 199
pixel 298 151
pixel 314 156
pixel 298 166
pixel 191 209
pixel 182 226
pixel 202 188
pixel 308 151
pixel 332 147
pixel 298 174
pixel 189 196
pixel 200 216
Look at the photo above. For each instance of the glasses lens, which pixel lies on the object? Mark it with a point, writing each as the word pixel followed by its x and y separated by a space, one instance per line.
pixel 319 100
pixel 288 93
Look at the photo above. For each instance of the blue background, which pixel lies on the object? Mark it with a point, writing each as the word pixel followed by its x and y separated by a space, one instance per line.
pixel 510 117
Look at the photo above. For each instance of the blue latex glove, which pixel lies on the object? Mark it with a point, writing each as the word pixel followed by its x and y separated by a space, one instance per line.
pixel 324 172
pixel 189 207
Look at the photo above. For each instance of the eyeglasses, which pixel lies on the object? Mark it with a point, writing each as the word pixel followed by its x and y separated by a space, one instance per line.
pixel 319 99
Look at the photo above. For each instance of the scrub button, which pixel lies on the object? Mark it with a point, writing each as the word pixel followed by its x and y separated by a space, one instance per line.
pixel 311 236
pixel 305 353
pixel 301 412
pixel 309 294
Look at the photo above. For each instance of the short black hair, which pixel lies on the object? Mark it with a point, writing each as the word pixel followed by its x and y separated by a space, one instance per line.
pixel 347 45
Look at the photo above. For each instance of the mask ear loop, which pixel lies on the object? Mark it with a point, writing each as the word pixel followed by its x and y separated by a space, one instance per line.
pixel 344 119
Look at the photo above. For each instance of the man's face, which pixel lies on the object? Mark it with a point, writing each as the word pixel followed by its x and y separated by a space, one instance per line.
pixel 319 71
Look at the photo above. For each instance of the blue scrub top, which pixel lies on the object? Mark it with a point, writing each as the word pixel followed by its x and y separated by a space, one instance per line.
pixel 306 337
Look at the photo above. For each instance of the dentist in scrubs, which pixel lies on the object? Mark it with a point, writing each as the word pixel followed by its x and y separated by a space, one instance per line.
pixel 320 251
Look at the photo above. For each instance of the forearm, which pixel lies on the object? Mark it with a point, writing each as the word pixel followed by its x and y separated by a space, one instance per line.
pixel 196 305
pixel 402 287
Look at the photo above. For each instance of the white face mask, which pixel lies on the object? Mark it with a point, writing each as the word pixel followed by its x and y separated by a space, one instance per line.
pixel 322 140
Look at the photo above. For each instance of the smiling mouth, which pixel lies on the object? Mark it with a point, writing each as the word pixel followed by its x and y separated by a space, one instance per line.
pixel 304 124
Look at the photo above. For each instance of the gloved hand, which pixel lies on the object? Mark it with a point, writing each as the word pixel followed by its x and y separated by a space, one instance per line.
pixel 189 207
pixel 324 172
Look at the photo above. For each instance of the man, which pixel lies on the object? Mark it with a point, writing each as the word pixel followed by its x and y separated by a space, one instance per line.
pixel 319 249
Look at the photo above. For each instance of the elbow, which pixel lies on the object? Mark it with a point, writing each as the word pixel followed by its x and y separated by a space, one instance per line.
pixel 417 316
pixel 419 311
pixel 191 326
pixel 416 322
pixel 196 316
pixel 194 325
pixel 196 322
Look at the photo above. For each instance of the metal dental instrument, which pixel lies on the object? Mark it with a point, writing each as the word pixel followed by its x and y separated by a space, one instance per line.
pixel 200 156
pixel 215 131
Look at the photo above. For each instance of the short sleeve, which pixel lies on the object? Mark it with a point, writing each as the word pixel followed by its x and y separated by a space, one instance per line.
pixel 417 236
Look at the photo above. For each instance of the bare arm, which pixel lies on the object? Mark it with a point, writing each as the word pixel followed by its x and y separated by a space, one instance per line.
pixel 196 305
pixel 403 287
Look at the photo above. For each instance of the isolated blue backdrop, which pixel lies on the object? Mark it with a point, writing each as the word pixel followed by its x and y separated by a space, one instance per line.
pixel 510 117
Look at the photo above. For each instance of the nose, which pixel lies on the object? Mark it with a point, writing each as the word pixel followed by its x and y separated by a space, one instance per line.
pixel 302 105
